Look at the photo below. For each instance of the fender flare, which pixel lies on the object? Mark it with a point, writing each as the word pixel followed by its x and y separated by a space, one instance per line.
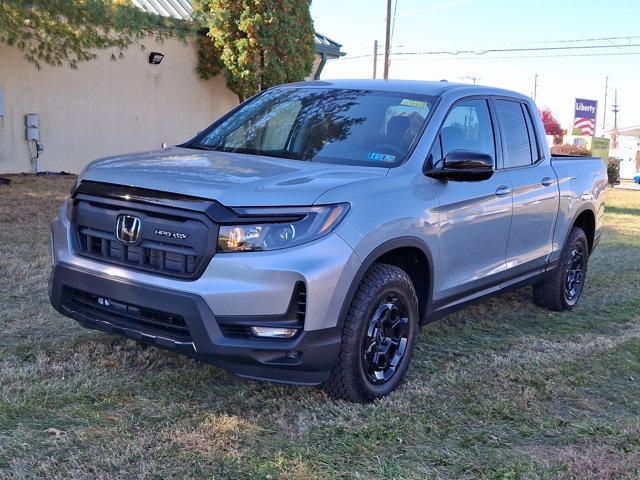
pixel 380 250
pixel 574 218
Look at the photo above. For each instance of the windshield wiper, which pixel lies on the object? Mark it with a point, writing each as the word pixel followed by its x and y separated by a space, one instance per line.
pixel 197 146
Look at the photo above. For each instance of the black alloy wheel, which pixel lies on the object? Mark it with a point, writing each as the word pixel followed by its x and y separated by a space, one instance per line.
pixel 386 339
pixel 563 288
pixel 575 273
pixel 378 336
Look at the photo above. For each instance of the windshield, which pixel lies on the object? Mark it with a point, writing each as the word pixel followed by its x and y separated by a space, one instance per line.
pixel 350 127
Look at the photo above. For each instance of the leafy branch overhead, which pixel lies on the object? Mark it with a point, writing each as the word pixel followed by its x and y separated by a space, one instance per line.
pixel 66 32
pixel 258 43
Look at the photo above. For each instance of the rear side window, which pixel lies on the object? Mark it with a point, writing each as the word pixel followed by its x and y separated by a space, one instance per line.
pixel 515 133
pixel 535 148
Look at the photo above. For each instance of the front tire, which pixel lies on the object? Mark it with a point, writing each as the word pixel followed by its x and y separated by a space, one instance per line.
pixel 562 291
pixel 378 337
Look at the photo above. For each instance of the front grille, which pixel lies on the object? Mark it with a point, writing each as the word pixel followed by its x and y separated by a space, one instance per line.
pixel 170 259
pixel 126 315
pixel 172 242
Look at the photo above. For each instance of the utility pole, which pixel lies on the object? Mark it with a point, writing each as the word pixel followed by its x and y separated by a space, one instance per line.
pixel 604 115
pixel 375 58
pixel 535 88
pixel 615 110
pixel 387 40
pixel 472 78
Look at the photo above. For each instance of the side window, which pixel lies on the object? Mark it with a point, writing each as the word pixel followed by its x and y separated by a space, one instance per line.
pixel 533 140
pixel 468 127
pixel 516 135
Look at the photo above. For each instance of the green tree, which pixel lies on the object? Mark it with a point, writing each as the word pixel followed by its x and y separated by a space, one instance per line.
pixel 258 43
pixel 66 32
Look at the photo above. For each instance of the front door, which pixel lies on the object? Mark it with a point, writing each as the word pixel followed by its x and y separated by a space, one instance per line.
pixel 474 217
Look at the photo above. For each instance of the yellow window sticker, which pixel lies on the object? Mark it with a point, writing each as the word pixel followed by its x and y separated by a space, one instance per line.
pixel 407 102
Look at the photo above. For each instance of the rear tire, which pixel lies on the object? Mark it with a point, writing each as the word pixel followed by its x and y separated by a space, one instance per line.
pixel 562 291
pixel 378 336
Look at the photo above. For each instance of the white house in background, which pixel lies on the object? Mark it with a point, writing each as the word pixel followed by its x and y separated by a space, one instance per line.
pixel 628 151
pixel 107 107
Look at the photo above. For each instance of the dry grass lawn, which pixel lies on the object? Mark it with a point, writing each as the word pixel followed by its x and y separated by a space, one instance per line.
pixel 501 390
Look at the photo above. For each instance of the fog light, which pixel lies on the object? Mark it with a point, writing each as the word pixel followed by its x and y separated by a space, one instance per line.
pixel 273 332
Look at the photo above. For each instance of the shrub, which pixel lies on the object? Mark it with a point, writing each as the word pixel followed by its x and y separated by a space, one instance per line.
pixel 572 150
pixel 551 125
pixel 613 171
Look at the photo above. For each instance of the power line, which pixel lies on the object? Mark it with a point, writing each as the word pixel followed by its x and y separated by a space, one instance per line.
pixel 411 13
pixel 433 7
pixel 393 24
pixel 507 50
pixel 576 40
pixel 501 50
pixel 511 57
pixel 390 39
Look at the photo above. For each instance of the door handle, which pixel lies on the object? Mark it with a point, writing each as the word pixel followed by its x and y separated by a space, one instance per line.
pixel 503 191
pixel 546 181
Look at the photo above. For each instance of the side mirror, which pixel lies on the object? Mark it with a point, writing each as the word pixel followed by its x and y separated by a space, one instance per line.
pixel 464 166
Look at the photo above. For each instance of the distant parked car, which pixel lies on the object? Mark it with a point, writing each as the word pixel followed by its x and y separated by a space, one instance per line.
pixel 305 236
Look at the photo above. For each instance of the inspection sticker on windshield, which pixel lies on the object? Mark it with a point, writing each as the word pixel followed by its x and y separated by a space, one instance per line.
pixel 380 157
pixel 407 102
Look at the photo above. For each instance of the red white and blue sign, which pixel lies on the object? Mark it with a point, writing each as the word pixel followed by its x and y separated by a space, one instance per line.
pixel 585 117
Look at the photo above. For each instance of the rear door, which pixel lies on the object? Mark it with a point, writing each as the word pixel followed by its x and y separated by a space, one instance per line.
pixel 535 189
pixel 474 217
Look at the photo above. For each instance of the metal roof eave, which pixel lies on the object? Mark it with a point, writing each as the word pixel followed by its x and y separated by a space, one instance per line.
pixel 329 50
pixel 183 9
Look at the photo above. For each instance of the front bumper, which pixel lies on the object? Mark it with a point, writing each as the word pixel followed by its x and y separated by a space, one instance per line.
pixel 254 358
pixel 233 285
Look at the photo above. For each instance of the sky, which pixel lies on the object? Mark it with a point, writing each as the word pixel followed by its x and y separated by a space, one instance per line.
pixel 452 25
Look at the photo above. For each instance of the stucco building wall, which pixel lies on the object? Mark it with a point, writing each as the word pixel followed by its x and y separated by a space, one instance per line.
pixel 105 107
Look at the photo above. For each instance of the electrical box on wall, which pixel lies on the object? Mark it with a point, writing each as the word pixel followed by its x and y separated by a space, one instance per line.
pixel 2 107
pixel 32 121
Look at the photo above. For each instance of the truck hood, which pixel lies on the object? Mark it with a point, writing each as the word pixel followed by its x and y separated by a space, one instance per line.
pixel 232 179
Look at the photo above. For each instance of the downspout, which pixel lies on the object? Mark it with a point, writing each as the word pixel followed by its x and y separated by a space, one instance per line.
pixel 323 61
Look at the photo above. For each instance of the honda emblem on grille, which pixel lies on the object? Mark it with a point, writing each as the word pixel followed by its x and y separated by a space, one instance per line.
pixel 128 229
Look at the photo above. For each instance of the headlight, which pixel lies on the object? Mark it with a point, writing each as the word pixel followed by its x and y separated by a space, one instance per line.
pixel 280 227
pixel 74 186
pixel 70 199
pixel 69 208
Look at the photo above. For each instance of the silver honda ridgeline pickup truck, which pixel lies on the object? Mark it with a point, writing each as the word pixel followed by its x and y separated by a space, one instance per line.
pixel 308 234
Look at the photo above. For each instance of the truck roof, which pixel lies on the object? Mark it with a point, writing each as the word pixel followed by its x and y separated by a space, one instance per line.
pixel 421 87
